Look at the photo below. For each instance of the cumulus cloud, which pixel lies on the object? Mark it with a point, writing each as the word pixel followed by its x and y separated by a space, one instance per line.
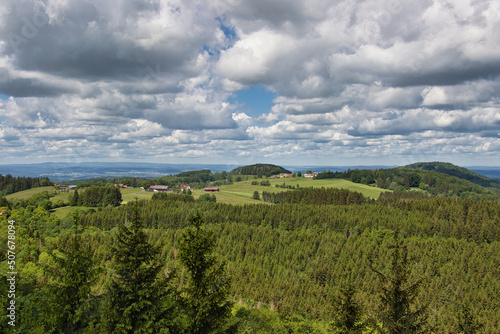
pixel 131 79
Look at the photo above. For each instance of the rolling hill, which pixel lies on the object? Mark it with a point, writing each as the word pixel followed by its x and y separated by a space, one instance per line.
pixel 454 170
pixel 259 169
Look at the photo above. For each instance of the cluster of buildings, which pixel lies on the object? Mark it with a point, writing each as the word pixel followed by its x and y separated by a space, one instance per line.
pixel 281 176
pixel 124 186
pixel 167 189
pixel 66 187
pixel 160 189
pixel 286 175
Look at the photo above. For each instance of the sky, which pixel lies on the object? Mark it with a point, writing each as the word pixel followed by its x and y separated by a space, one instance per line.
pixel 293 82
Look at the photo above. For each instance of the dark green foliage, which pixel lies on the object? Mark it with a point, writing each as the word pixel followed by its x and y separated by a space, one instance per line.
pixel 468 324
pixel 403 178
pixel 396 196
pixel 187 198
pixel 397 310
pixel 204 175
pixel 198 177
pixel 315 196
pixel 287 259
pixel 260 169
pixel 4 203
pixel 41 200
pixel 207 198
pixel 348 313
pixel 453 170
pixel 138 300
pixel 100 197
pixel 74 199
pixel 256 195
pixel 10 185
pixel 73 277
pixel 206 296
pixel 265 183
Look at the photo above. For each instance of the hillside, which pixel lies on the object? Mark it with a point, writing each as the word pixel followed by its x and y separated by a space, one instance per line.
pixel 259 169
pixel 431 181
pixel 453 170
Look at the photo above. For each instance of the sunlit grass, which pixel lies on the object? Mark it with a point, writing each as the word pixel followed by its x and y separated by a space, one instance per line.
pixel 28 193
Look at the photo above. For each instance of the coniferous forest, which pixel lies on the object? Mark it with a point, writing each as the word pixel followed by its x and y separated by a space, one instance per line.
pixel 304 261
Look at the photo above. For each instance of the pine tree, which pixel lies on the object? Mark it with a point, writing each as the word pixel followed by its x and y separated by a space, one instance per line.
pixel 139 298
pixel 397 312
pixel 206 296
pixel 73 201
pixel 74 276
pixel 468 324
pixel 256 195
pixel 348 312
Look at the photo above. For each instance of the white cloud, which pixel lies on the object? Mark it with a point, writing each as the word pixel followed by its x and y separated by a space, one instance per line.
pixel 94 79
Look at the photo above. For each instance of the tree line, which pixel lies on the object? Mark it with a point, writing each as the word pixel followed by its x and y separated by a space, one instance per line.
pixel 10 184
pixel 314 196
pixel 403 179
pixel 96 196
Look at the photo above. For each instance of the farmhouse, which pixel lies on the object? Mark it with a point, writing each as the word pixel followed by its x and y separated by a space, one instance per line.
pixel 211 190
pixel 185 187
pixel 65 187
pixel 159 188
pixel 124 186
pixel 311 175
pixel 283 175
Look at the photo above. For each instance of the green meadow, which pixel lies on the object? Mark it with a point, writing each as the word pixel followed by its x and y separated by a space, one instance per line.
pixel 238 193
pixel 241 192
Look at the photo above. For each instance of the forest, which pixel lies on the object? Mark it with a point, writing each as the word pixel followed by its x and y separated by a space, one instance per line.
pixel 434 178
pixel 285 268
pixel 10 184
pixel 260 170
pixel 299 261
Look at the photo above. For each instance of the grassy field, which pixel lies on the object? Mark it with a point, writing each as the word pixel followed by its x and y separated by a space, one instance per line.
pixel 241 192
pixel 64 211
pixel 238 193
pixel 129 195
pixel 28 193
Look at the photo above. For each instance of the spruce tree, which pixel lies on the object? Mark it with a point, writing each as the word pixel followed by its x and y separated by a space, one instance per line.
pixel 348 312
pixel 206 296
pixel 74 276
pixel 467 323
pixel 139 299
pixel 73 201
pixel 397 312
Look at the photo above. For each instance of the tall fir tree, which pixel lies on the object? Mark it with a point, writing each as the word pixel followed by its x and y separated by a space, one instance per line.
pixel 348 312
pixel 74 201
pixel 139 299
pixel 467 323
pixel 206 296
pixel 74 276
pixel 397 312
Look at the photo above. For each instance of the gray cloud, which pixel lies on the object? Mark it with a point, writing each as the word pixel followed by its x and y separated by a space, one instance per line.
pixel 353 78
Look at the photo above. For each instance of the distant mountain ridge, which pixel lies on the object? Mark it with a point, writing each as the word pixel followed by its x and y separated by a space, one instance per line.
pixel 454 170
pixel 64 171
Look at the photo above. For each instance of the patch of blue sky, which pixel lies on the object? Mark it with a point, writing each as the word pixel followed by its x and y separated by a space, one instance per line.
pixel 254 101
pixel 229 31
pixel 3 97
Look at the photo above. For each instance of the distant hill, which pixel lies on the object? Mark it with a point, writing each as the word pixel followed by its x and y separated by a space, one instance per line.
pixel 453 170
pixel 426 178
pixel 259 169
